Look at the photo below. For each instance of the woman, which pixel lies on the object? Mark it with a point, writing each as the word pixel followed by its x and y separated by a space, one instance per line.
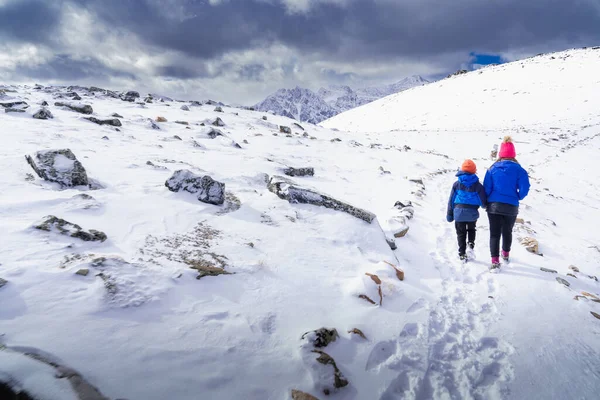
pixel 505 183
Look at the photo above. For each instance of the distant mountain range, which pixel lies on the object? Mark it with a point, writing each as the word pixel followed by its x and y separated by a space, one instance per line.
pixel 307 106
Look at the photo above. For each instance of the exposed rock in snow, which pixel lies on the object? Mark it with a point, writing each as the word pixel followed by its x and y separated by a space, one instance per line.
pixel 130 96
pixel 21 105
pixel 111 122
pixel 80 108
pixel 298 395
pixel 59 225
pixel 13 110
pixel 321 337
pixel 185 108
pixel 285 129
pixel 82 272
pixel 3 282
pixel 43 113
pixel 218 122
pixel 115 115
pixel 218 109
pixel 307 171
pixel 161 119
pixel 288 190
pixel 214 133
pixel 152 124
pixel 206 189
pixel 34 374
pixel 60 166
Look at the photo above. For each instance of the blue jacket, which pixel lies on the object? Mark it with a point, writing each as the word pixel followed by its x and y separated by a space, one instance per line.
pixel 506 182
pixel 466 197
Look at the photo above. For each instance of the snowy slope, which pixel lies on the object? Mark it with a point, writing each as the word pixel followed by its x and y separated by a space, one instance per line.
pixel 148 329
pixel 307 106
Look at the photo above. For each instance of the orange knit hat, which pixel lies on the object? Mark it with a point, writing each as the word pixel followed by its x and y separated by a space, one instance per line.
pixel 469 166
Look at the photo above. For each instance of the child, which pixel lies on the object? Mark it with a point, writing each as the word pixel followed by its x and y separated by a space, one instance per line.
pixel 466 197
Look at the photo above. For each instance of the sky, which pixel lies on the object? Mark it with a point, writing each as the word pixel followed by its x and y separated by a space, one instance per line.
pixel 240 51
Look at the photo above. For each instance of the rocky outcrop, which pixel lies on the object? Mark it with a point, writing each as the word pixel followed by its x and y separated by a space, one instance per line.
pixel 214 133
pixel 185 108
pixel 21 105
pixel 285 129
pixel 130 96
pixel 13 110
pixel 218 122
pixel 60 166
pixel 60 226
pixel 43 113
pixel 80 108
pixel 307 171
pixel 287 190
pixel 111 122
pixel 206 189
pixel 218 109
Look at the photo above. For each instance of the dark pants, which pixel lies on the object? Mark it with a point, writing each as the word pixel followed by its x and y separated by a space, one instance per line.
pixel 464 229
pixel 500 226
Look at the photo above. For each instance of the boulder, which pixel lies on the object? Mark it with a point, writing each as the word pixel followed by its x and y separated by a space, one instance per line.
pixel 207 190
pixel 111 122
pixel 321 337
pixel 43 113
pixel 15 104
pixel 161 119
pixel 214 133
pixel 218 109
pixel 115 115
pixel 60 166
pixel 287 190
pixel 401 233
pixel 44 103
pixel 13 110
pixel 285 129
pixel 218 122
pixel 58 225
pixel 130 96
pixel 264 117
pixel 307 171
pixel 80 108
pixel 82 272
pixel 185 108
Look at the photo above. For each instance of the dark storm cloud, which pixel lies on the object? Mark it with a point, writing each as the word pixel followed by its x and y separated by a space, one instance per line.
pixel 357 28
pixel 64 67
pixel 182 72
pixel 28 20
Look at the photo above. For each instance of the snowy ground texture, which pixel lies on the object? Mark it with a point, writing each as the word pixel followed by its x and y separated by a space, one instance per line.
pixel 140 325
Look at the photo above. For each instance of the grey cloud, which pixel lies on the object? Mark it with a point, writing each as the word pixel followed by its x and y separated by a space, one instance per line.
pixel 365 28
pixel 28 20
pixel 64 68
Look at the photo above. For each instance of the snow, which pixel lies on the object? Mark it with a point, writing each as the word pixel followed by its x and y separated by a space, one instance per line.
pixel 62 163
pixel 447 330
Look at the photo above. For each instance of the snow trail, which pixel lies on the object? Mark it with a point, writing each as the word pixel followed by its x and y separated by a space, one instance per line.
pixel 452 356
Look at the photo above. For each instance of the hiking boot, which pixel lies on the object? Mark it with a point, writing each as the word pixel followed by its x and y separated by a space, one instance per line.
pixel 471 245
pixel 505 255
pixel 495 266
pixel 462 257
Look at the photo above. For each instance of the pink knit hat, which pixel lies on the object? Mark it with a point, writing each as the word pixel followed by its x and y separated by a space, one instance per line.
pixel 507 148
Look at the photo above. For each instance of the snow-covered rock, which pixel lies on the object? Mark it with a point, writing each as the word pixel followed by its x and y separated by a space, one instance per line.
pixel 62 227
pixel 60 166
pixel 111 121
pixel 288 190
pixel 206 189
pixel 43 113
pixel 80 108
